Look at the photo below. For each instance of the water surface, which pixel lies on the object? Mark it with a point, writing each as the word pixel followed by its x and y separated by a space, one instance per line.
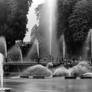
pixel 49 85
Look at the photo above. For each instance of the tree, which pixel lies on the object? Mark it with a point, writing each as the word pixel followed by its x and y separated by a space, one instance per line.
pixel 65 9
pixel 74 21
pixel 80 21
pixel 13 20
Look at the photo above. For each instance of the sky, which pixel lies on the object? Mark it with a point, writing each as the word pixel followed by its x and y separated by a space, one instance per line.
pixel 32 18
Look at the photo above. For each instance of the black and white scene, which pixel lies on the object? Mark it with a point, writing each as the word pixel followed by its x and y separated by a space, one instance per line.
pixel 45 45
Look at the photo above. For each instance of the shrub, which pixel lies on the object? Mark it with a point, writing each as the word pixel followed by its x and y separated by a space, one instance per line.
pixel 37 70
pixel 80 69
pixel 62 71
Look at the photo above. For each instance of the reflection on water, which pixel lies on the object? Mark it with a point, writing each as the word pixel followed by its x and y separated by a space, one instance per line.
pixel 49 85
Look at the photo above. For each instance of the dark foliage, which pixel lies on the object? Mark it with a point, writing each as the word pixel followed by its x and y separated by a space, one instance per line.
pixel 65 8
pixel 13 19
pixel 74 21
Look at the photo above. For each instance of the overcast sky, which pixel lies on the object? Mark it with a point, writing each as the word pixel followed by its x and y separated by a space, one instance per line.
pixel 32 18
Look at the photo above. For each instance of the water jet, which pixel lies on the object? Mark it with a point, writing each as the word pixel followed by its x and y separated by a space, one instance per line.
pixel 37 46
pixel 52 39
pixel 63 46
pixel 2 89
pixel 87 49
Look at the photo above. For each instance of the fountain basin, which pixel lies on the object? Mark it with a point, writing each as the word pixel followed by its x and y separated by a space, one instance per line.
pixel 24 76
pixel 85 77
pixel 33 77
pixel 5 90
pixel 70 77
pixel 39 77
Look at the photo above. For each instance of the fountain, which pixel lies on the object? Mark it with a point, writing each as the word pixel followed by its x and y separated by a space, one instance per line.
pixel 47 39
pixel 33 51
pixel 15 54
pixel 1 69
pixel 2 89
pixel 64 47
pixel 53 45
pixel 91 42
pixel 87 50
pixel 18 45
pixel 21 57
pixel 37 46
pixel 3 54
pixel 3 47
pixel 33 20
pixel 62 41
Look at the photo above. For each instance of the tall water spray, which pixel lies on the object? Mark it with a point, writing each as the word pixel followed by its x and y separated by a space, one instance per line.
pixel 3 54
pixel 37 46
pixel 62 46
pixel 1 69
pixel 51 7
pixel 21 56
pixel 34 49
pixel 33 19
pixel 87 49
pixel 91 41
pixel 47 21
pixel 2 88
